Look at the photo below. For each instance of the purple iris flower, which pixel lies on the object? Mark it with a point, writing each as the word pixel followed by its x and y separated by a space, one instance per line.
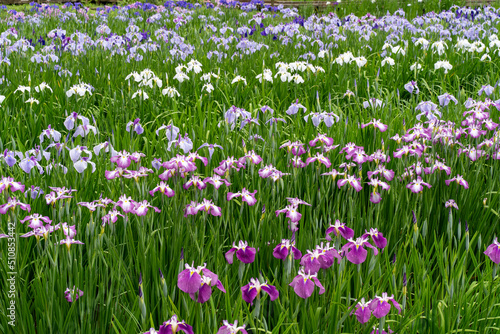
pixel 286 248
pixel 303 284
pixel 245 195
pixel 211 148
pixel 291 212
pixel 193 156
pixel 12 203
pixel 72 294
pixel 339 229
pixel 122 159
pixel 250 291
pixel 141 208
pixel 226 165
pixel 493 251
pixel 363 311
pixel 252 156
pixel 445 99
pixel 319 258
pixel 50 134
pixel 35 220
pixel 185 143
pixel 111 217
pixel 9 157
pixel 428 109
pixel 163 188
pixel 126 203
pixel 228 328
pixel 173 325
pixel 295 107
pixel 355 250
pixel 451 204
pixel 352 180
pixel 377 238
pixel 43 231
pixel 70 241
pixel 198 282
pixel 34 191
pixel 380 305
pixel 135 125
pixel 70 121
pixel 244 253
pixel 487 89
pixel 171 131
pixel 8 183
pixel 412 87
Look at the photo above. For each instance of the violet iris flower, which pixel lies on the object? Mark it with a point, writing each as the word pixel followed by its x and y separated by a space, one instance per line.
pixel 172 326
pixel 194 155
pixel 226 165
pixel 122 159
pixel 320 258
pixel 92 206
pixel 244 253
pixel 10 157
pixel 69 241
pixel 73 294
pixel 376 124
pixel 412 87
pixel 198 282
pixel 216 181
pixel 141 208
pixel 43 231
pixel 252 156
pixel 111 217
pixel 35 220
pixel 171 131
pixel 126 203
pixel 294 108
pixel 228 328
pixel 291 212
pixel 428 109
pixel 377 238
pixel 12 203
pixel 363 311
pixel 493 251
pixel 451 204
pixel 296 201
pixel 303 284
pixel 70 121
pixel 250 291
pixel 355 250
pixel 50 134
pixel 163 188
pixel 380 305
pixel 339 229
pixel 135 125
pixel 34 191
pixel 459 180
pixel 8 183
pixel 246 196
pixel 286 248
pixel 487 89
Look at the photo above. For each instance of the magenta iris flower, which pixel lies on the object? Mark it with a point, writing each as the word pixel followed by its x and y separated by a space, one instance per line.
pixel 296 147
pixel 493 251
pixel 173 325
pixel 193 156
pixel 43 231
pixel 141 208
pixel 250 291
pixel 417 185
pixel 243 253
pixel 252 156
pixel 92 206
pixel 339 229
pixel 363 311
pixel 164 189
pixel 451 204
pixel 303 284
pixel 126 203
pixel 375 197
pixel 217 181
pixel 352 180
pixel 267 171
pixel 228 328
pixel 459 180
pixel 323 139
pixel 209 207
pixel 286 248
pixel 320 258
pixel 355 250
pixel 380 305
pixel 198 282
pixel 377 238
pixel 377 124
pixel 320 158
pixel 122 159
pixel 297 162
pixel 226 165
pixel 246 196
pixel 111 217
pixel 36 220
pixel 69 241
pixel 291 212
pixel 334 173
pixel 118 172
pixel 8 183
pixel 72 294
pixel 12 203
pixel 196 182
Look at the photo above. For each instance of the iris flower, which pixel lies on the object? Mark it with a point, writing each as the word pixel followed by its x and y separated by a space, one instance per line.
pixel 380 305
pixel 320 258
pixel 493 251
pixel 172 326
pixel 303 284
pixel 244 253
pixel 355 250
pixel 250 291
pixel 198 282
pixel 339 229
pixel 228 328
pixel 163 188
pixel 245 195
pixel 286 248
